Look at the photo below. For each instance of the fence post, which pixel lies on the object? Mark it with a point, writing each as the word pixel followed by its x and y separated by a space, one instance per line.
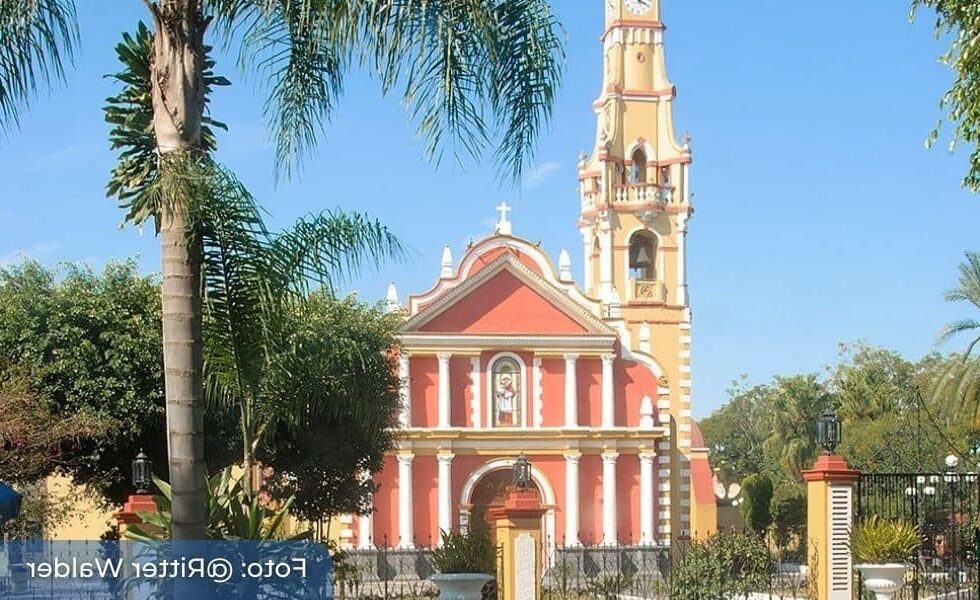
pixel 518 533
pixel 830 506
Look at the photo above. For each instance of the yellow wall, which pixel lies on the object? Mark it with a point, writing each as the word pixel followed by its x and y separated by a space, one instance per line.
pixel 87 519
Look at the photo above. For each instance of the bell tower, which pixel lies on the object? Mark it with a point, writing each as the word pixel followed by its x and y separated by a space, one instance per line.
pixel 634 186
pixel 634 189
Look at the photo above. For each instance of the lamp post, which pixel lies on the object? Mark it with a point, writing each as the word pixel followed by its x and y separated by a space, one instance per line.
pixel 142 473
pixel 952 461
pixel 828 431
pixel 522 473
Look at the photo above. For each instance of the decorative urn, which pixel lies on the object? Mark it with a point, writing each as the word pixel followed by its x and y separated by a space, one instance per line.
pixel 460 586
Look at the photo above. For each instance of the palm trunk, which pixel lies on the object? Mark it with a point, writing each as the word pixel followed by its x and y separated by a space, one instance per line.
pixel 178 107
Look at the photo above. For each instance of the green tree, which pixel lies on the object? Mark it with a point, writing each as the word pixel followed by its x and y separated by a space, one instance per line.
pixel 464 69
pixel 88 345
pixel 797 402
pixel 961 382
pixel 354 382
pixel 276 355
pixel 756 500
pixel 736 431
pixel 959 22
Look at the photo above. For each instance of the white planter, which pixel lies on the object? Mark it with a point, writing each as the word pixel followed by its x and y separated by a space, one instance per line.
pixel 460 586
pixel 883 580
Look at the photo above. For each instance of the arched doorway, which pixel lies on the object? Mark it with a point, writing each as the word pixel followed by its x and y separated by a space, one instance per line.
pixel 491 489
pixel 488 485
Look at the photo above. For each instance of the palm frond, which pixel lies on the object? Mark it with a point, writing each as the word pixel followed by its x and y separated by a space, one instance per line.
pixel 300 50
pixel 466 69
pixel 37 38
pixel 327 248
pixel 455 59
pixel 130 113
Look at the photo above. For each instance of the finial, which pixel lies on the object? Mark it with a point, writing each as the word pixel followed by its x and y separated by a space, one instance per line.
pixel 564 266
pixel 447 263
pixel 646 412
pixel 644 338
pixel 614 304
pixel 503 225
pixel 687 140
pixel 391 299
pixel 582 158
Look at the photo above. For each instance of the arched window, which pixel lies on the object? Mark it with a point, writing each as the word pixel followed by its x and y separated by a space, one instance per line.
pixel 638 170
pixel 643 256
pixel 507 392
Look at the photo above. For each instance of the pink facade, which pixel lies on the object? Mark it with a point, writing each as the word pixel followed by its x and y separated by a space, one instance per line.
pixel 504 358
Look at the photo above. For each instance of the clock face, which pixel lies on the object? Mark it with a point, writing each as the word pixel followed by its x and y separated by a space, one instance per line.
pixel 639 7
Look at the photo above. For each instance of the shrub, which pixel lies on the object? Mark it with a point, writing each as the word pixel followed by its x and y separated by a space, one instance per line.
pixel 879 541
pixel 726 565
pixel 470 552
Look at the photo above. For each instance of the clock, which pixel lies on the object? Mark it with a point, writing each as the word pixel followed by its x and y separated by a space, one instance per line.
pixel 638 7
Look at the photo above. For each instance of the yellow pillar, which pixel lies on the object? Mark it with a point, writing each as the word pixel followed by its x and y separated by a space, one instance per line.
pixel 830 503
pixel 518 537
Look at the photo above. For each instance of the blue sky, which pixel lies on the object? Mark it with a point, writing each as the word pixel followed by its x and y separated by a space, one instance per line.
pixel 821 217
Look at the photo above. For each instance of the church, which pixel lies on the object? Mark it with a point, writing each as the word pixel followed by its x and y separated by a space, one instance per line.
pixel 505 354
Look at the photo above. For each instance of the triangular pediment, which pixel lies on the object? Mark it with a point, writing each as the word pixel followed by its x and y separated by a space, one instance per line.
pixel 506 297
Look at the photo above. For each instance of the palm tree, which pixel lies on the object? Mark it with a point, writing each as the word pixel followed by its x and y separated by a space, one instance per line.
pixel 961 381
pixel 464 69
pixel 36 38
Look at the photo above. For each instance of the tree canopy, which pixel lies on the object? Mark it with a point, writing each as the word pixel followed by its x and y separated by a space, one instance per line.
pixel 959 22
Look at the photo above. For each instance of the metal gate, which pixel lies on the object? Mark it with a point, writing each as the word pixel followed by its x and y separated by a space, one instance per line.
pixel 946 508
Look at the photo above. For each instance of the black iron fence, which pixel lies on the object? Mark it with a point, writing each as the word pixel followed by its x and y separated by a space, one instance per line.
pixel 387 573
pixel 727 565
pixel 946 509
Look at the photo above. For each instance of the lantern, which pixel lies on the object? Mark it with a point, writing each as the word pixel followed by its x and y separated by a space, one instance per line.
pixel 828 431
pixel 522 473
pixel 142 473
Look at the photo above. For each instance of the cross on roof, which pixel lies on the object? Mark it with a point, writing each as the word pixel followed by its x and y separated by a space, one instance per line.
pixel 503 225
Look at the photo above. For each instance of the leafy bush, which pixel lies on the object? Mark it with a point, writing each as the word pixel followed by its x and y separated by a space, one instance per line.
pixel 470 552
pixel 726 565
pixel 757 494
pixel 232 515
pixel 879 541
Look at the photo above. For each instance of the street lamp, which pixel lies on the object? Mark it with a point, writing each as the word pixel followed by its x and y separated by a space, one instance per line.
pixel 952 461
pixel 522 473
pixel 142 473
pixel 828 431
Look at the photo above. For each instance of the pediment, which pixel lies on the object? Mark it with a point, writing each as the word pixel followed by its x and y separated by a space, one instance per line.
pixel 506 297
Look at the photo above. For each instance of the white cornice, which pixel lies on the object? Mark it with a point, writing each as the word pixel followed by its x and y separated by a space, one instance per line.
pixel 414 340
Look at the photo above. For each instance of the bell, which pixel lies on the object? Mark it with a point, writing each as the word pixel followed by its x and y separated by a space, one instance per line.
pixel 642 260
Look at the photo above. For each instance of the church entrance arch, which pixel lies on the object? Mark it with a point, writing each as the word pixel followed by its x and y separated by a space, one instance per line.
pixel 487 486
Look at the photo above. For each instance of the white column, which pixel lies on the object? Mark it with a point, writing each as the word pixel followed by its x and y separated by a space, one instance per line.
pixel 444 389
pixel 445 493
pixel 605 261
pixel 571 391
pixel 608 391
pixel 365 523
pixel 681 259
pixel 571 498
pixel 536 409
pixel 406 533
pixel 404 386
pixel 647 525
pixel 587 254
pixel 475 392
pixel 609 520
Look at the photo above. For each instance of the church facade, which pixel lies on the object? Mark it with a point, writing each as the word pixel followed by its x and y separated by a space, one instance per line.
pixel 506 354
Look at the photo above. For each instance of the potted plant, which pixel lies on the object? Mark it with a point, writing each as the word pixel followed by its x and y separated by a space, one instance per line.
pixel 465 561
pixel 881 549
